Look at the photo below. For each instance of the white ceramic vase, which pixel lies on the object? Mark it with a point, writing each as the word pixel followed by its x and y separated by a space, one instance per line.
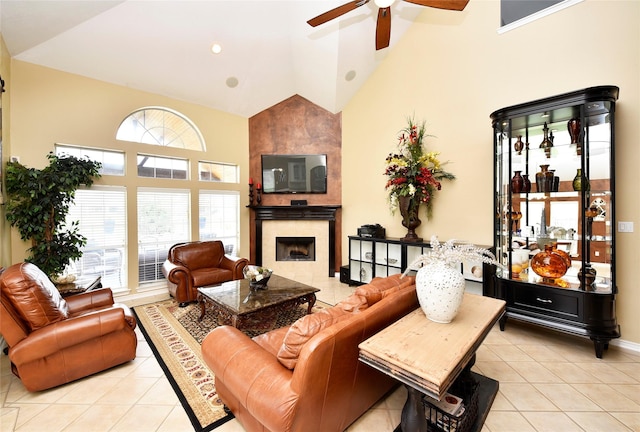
pixel 440 289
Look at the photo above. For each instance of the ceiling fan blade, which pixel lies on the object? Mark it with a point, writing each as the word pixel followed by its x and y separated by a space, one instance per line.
pixel 442 4
pixel 335 13
pixel 383 28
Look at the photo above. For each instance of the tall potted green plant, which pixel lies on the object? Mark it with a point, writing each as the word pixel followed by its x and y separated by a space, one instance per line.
pixel 37 205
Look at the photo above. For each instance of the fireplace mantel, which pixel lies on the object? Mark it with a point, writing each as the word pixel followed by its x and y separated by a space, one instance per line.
pixel 312 212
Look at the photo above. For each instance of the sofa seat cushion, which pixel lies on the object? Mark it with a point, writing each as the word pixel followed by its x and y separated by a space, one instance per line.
pixel 34 296
pixel 304 329
pixel 210 276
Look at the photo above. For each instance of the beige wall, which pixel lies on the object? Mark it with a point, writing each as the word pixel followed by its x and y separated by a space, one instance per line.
pixel 51 107
pixel 5 71
pixel 454 70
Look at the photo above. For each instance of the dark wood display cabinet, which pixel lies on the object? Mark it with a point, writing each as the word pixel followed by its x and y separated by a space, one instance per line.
pixel 554 230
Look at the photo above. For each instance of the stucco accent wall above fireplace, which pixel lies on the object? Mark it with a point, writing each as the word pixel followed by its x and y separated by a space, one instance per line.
pixel 297 126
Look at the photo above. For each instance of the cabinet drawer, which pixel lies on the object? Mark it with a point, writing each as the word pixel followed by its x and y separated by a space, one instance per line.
pixel 563 304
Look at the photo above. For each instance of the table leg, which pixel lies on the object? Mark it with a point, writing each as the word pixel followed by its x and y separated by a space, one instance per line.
pixel 311 299
pixel 413 418
pixel 203 307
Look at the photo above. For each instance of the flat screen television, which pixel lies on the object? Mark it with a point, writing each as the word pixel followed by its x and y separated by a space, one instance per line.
pixel 294 174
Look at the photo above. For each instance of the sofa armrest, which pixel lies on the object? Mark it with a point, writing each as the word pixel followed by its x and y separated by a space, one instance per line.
pixel 250 373
pixel 235 264
pixel 93 299
pixel 176 274
pixel 64 334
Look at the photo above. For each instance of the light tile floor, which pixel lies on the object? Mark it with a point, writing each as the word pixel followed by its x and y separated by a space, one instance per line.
pixel 548 382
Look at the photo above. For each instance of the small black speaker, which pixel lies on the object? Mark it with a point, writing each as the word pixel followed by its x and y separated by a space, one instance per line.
pixel 298 202
pixel 344 274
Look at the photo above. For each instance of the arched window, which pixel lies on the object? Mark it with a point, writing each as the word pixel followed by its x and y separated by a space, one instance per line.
pixel 161 126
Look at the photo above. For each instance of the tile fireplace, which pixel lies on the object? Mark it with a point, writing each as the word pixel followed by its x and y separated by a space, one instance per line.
pixel 298 234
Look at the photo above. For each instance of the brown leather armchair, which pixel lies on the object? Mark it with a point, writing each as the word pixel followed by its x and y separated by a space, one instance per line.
pixel 53 341
pixel 197 264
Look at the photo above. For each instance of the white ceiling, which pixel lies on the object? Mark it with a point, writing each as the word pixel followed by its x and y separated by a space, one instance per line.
pixel 163 47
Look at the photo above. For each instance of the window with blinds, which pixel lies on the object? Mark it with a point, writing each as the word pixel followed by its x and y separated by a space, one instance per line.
pixel 162 167
pixel 219 218
pixel 218 172
pixel 101 214
pixel 112 161
pixel 163 220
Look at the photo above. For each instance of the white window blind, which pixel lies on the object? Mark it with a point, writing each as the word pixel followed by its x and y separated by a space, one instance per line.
pixel 220 218
pixel 101 213
pixel 163 220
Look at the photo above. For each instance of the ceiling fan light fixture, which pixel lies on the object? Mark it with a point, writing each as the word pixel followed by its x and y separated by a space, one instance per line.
pixel 383 3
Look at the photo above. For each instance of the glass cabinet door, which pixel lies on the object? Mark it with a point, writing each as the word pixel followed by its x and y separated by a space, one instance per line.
pixel 554 193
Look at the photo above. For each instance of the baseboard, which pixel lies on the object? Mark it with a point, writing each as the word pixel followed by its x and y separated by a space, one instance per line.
pixel 624 345
pixel 145 297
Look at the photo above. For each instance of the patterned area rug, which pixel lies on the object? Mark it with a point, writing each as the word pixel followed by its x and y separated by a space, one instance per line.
pixel 175 334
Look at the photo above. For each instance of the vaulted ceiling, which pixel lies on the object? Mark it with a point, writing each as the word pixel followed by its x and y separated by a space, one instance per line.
pixel 269 52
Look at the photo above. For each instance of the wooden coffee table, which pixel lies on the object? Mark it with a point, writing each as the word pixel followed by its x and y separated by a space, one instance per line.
pixel 235 301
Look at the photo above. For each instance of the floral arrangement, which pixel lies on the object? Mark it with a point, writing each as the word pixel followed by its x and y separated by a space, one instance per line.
pixel 412 171
pixel 452 253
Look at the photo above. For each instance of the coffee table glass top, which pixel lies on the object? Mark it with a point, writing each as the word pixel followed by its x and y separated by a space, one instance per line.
pixel 239 298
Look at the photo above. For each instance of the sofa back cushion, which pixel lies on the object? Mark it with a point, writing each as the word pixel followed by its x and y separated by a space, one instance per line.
pixel 303 330
pixel 197 255
pixel 379 287
pixel 354 303
pixel 33 296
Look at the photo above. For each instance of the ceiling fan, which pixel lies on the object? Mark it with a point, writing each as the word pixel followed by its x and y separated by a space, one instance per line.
pixel 383 26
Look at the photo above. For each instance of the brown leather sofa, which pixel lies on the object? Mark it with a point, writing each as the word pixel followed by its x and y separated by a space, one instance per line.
pixel 307 376
pixel 197 264
pixel 53 341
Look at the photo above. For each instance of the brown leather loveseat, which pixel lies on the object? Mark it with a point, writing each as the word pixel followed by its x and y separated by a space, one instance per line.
pixel 53 341
pixel 197 264
pixel 307 376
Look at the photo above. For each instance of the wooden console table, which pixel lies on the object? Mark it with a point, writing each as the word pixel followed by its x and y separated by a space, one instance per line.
pixel 427 357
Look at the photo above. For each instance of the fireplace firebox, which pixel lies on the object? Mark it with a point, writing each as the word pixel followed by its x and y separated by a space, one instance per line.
pixel 295 248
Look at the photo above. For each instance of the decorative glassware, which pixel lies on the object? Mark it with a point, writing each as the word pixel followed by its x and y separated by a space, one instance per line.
pixel 546 143
pixel 517 182
pixel 587 278
pixel 544 179
pixel 579 181
pixel 526 186
pixel 518 145
pixel 551 263
pixel 574 128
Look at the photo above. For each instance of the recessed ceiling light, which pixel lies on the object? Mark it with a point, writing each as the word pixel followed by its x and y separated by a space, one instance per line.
pixel 232 82
pixel 383 3
pixel 216 48
pixel 350 75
